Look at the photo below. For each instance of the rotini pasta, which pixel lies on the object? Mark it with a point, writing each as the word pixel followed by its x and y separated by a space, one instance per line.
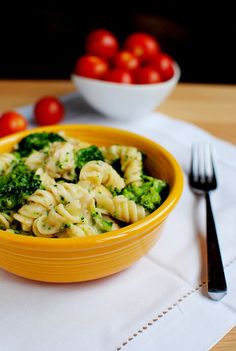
pixel 35 160
pixel 130 159
pixel 5 221
pixel 81 230
pixel 99 172
pixel 60 161
pixel 121 208
pixel 57 218
pixel 6 161
pixel 67 188
pixel 46 180
pixel 77 144
pixel 50 202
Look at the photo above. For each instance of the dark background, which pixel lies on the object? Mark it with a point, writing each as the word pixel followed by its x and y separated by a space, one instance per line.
pixel 43 40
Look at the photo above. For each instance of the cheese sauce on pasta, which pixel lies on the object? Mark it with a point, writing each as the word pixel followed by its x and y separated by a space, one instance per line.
pixel 55 186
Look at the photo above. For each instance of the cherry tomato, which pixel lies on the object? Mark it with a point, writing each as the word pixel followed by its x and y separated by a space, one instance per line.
pixel 48 110
pixel 148 75
pixel 119 76
pixel 142 45
pixel 126 60
pixel 12 122
pixel 164 64
pixel 91 67
pixel 101 42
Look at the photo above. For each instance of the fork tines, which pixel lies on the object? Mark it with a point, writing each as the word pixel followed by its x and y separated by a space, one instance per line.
pixel 202 167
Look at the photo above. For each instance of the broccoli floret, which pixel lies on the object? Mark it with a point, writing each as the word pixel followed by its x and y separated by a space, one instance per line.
pixel 103 224
pixel 114 191
pixel 148 194
pixel 37 141
pixel 17 186
pixel 87 154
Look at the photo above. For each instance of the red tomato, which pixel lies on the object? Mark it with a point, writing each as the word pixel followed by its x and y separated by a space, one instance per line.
pixel 91 67
pixel 48 110
pixel 164 64
pixel 119 76
pixel 142 45
pixel 126 60
pixel 101 42
pixel 12 122
pixel 148 75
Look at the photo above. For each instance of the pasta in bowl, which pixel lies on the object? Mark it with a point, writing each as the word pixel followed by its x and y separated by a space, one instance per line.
pixel 74 206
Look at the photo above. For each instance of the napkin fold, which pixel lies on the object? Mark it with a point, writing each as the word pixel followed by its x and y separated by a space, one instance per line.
pixel 159 302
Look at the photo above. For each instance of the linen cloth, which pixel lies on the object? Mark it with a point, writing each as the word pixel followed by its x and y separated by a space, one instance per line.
pixel 160 302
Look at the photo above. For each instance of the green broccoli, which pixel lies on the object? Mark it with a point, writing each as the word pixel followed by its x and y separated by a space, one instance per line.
pixel 148 194
pixel 87 154
pixel 17 186
pixel 114 191
pixel 37 141
pixel 103 224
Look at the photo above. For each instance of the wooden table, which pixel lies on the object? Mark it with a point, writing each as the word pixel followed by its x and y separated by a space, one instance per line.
pixel 212 107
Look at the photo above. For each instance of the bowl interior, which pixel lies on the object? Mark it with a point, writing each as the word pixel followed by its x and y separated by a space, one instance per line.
pixel 159 163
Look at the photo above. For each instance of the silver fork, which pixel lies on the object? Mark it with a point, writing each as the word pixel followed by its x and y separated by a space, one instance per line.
pixel 202 180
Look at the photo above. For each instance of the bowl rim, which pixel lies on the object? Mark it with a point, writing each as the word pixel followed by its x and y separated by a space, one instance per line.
pixel 126 232
pixel 98 82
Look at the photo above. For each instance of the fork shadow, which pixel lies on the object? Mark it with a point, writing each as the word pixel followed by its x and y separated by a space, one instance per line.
pixel 201 238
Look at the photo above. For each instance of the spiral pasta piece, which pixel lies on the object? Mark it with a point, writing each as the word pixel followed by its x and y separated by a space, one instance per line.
pixel 78 231
pixel 60 161
pixel 46 180
pixel 121 208
pixel 42 201
pixel 38 204
pixel 66 219
pixel 77 144
pixel 85 225
pixel 35 160
pixel 44 198
pixel 5 221
pixel 74 231
pixel 68 192
pixel 103 198
pixel 41 229
pixel 58 217
pixel 131 161
pixel 28 213
pixel 89 229
pixel 99 172
pixel 6 161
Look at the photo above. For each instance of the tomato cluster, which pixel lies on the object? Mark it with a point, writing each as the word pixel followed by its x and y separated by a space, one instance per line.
pixel 140 61
pixel 48 110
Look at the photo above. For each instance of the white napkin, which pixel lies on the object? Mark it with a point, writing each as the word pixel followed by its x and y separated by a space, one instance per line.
pixel 158 303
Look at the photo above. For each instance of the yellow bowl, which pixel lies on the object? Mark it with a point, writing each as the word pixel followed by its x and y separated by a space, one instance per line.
pixel 80 259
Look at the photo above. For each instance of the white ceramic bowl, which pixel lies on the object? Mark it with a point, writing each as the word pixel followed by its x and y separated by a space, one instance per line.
pixel 124 101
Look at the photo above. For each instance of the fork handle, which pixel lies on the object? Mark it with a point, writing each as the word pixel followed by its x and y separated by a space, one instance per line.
pixel 217 287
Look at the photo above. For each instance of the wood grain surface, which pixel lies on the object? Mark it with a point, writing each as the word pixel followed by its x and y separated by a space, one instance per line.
pixel 211 107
